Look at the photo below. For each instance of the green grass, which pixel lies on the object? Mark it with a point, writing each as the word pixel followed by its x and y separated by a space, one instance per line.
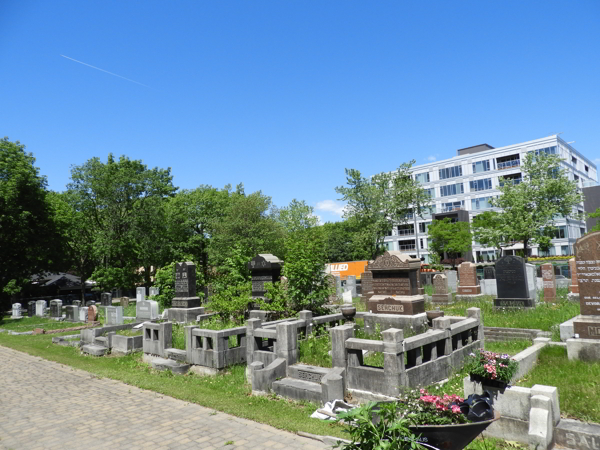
pixel 545 317
pixel 131 332
pixel 508 347
pixel 30 323
pixel 578 383
pixel 428 289
pixel 228 393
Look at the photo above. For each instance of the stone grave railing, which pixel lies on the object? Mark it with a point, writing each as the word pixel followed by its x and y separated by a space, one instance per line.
pixel 215 349
pixel 430 356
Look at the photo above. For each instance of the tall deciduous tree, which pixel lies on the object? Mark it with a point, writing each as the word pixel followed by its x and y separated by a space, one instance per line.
pixel 452 238
pixel 488 230
pixel 29 240
pixel 595 215
pixel 531 207
pixel 382 201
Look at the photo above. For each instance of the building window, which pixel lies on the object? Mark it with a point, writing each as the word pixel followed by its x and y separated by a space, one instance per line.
pixel 561 232
pixel 564 250
pixel 581 231
pixel 587 168
pixel 406 245
pixel 451 172
pixel 452 189
pixel 424 226
pixel 430 192
pixel 481 203
pixel 508 162
pixel 547 150
pixel 481 185
pixel 481 166
pixel 574 160
pixel 453 206
pixel 406 230
pixel 422 177
pixel 421 243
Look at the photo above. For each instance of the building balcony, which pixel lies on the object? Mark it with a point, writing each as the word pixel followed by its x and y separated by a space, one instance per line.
pixel 508 164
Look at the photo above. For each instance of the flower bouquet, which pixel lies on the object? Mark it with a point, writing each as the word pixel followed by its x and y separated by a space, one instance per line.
pixel 492 369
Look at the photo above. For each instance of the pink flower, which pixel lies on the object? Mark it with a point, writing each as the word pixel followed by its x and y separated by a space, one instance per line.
pixel 455 409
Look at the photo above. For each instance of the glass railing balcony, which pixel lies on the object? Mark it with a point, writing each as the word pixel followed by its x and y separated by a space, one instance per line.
pixel 509 164
pixel 407 247
pixel 513 181
pixel 406 232
pixel 446 209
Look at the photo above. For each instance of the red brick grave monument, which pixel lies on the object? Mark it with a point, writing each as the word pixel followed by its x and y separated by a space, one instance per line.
pixel 468 285
pixel 549 280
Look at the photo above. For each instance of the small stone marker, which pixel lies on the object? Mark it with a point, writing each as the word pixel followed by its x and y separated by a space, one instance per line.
pixel 264 268
pixel 140 294
pixel 124 302
pixel 56 308
pixel 440 286
pixel 511 283
pixel 395 285
pixel 452 280
pixel 574 286
pixel 114 315
pixel 153 291
pixel 83 314
pixel 16 310
pixel 40 308
pixel 351 285
pixel 347 297
pixel 146 310
pixel 76 302
pixel 530 269
pixel 72 313
pixel 92 313
pixel 106 299
pixel 366 281
pixel 489 273
pixel 31 308
pixel 331 282
pixel 549 282
pixel 467 279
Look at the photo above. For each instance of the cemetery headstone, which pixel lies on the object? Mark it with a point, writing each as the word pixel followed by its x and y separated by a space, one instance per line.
pixel 452 280
pixel 31 308
pixel 140 294
pixel 549 282
pixel 76 302
pixel 351 285
pixel 114 315
pixel 146 310
pixel 530 269
pixel 511 283
pixel 90 303
pixel 92 313
pixel 347 297
pixel 366 280
pixel 185 286
pixel 56 308
pixel 489 273
pixel 338 284
pixel 441 294
pixel 16 310
pixel 40 308
pixel 331 281
pixel 264 268
pixel 468 284
pixel 574 286
pixel 587 251
pixel 395 285
pixel 106 299
pixel 153 291
pixel 72 313
pixel 83 314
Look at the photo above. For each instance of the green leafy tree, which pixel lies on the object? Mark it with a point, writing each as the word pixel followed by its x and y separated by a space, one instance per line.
pixel 124 201
pixel 488 230
pixel 29 239
pixel 382 201
pixel 531 207
pixel 297 216
pixel 346 241
pixel 595 215
pixel 450 238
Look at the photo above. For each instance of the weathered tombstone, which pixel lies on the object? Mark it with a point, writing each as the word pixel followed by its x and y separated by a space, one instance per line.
pixel 440 289
pixel 468 284
pixel 16 310
pixel 124 302
pixel 351 285
pixel 530 269
pixel 92 313
pixel 452 280
pixel 31 308
pixel 366 280
pixel 185 286
pixel 395 285
pixel 338 285
pixel 489 273
pixel 40 308
pixel 72 313
pixel 573 294
pixel 90 303
pixel 114 315
pixel 587 251
pixel 83 314
pixel 76 302
pixel 106 299
pixel 154 290
pixel 146 310
pixel 140 294
pixel 264 268
pixel 549 282
pixel 347 297
pixel 333 298
pixel 511 283
pixel 56 308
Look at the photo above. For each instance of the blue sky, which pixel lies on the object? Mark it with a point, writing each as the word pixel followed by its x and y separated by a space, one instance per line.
pixel 283 95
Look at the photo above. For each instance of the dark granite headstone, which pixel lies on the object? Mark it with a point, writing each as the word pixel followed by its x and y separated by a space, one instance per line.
pixel 264 268
pixel 511 278
pixel 56 308
pixel 31 308
pixel 489 273
pixel 106 299
pixel 185 286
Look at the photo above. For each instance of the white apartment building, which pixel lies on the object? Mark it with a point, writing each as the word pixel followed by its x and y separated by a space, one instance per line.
pixel 461 187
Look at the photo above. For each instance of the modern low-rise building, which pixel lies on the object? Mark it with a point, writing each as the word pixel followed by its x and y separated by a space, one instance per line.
pixel 465 184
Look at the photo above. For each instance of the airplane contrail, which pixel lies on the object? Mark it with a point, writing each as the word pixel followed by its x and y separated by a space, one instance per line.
pixel 106 71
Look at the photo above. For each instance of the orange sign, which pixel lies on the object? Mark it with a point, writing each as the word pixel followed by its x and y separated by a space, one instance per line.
pixel 343 269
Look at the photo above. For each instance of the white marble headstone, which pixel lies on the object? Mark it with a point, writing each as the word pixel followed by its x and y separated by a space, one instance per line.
pixel 146 310
pixel 140 294
pixel 531 281
pixel 114 315
pixel 40 308
pixel 347 297
pixel 153 291
pixel 16 310
pixel 83 314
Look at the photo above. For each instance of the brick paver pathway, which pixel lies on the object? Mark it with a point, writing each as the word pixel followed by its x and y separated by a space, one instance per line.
pixel 45 405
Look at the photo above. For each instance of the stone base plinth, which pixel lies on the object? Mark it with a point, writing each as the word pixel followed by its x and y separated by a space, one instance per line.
pixel 469 298
pixel 416 323
pixel 514 303
pixel 396 304
pixel 583 349
pixel 587 327
pixel 573 297
pixel 184 315
pixel 443 299
pixel 186 302
pixel 468 290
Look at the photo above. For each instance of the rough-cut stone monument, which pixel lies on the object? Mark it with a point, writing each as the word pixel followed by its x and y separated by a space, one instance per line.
pixel 186 304
pixel 395 285
pixel 264 268
pixel 549 282
pixel 440 288
pixel 124 302
pixel 573 294
pixel 511 283
pixel 366 281
pixel 468 284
